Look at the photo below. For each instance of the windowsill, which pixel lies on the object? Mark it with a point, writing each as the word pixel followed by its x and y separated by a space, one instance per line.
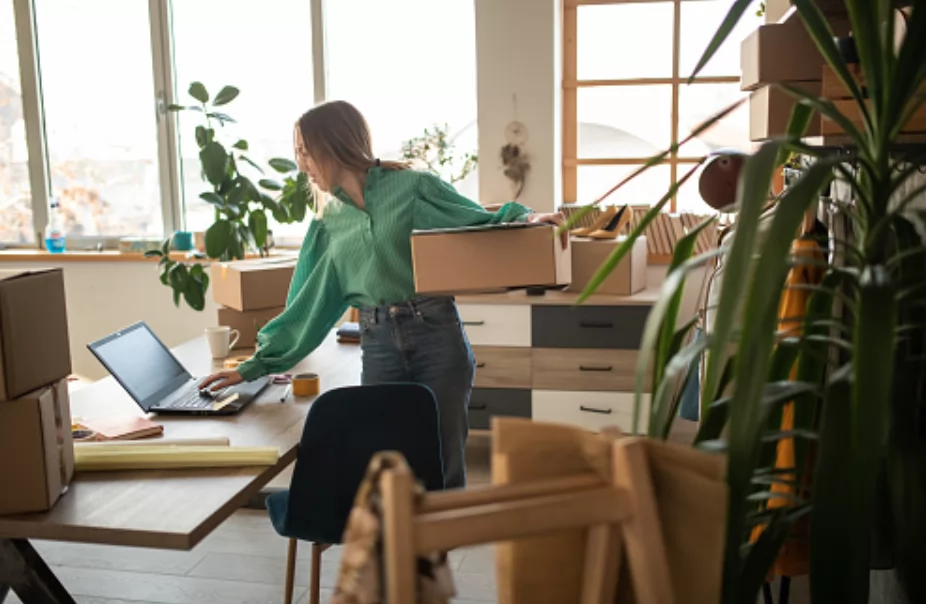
pixel 25 255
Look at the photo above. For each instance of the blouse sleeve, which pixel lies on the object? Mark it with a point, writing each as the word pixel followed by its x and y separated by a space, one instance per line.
pixel 314 304
pixel 439 206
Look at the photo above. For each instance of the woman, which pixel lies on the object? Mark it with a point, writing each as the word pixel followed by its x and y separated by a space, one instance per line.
pixel 357 252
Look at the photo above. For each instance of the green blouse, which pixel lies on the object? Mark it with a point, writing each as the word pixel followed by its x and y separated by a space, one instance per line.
pixel 362 257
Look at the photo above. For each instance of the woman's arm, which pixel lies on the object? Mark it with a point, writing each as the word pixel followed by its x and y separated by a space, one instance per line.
pixel 440 206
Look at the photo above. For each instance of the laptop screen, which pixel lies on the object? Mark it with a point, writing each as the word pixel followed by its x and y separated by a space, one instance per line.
pixel 141 363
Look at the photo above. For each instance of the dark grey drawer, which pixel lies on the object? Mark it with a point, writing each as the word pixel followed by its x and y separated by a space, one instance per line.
pixel 486 402
pixel 588 326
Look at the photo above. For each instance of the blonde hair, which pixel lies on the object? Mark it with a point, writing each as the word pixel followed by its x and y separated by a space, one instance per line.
pixel 337 137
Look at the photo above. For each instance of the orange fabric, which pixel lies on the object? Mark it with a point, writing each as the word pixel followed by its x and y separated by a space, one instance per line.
pixel 794 557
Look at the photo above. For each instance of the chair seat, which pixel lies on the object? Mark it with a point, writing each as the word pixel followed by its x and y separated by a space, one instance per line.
pixel 277 508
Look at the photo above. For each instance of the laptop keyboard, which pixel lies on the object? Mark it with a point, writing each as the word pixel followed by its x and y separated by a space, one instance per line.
pixel 194 400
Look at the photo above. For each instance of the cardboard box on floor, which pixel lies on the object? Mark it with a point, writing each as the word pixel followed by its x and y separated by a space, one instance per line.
pixel 247 285
pixel 489 258
pixel 248 323
pixel 35 431
pixel 34 346
pixel 628 277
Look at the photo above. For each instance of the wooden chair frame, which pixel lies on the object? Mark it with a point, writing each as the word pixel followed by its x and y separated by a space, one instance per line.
pixel 620 518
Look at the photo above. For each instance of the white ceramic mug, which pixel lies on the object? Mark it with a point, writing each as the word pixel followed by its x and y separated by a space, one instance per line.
pixel 221 340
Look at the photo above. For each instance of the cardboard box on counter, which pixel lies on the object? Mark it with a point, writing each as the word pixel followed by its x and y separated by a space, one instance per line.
pixel 34 346
pixel 248 323
pixel 252 284
pixel 628 277
pixel 489 258
pixel 37 449
pixel 770 110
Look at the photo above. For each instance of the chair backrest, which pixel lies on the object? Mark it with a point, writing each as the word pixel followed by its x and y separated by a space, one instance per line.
pixel 343 430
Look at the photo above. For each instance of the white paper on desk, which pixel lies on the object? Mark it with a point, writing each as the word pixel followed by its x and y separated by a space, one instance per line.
pixel 215 441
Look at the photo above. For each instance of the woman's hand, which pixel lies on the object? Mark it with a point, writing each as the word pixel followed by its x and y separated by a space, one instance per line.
pixel 555 219
pixel 222 379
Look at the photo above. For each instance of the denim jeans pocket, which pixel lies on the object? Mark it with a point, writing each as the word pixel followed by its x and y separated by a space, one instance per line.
pixel 440 315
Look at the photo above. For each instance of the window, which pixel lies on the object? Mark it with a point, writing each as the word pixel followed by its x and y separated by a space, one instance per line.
pixel 100 121
pixel 386 64
pixel 15 199
pixel 626 97
pixel 273 71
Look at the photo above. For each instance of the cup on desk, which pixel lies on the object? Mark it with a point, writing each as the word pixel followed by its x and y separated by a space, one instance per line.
pixel 221 340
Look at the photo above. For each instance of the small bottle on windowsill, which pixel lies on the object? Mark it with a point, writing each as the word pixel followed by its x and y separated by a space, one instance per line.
pixel 54 232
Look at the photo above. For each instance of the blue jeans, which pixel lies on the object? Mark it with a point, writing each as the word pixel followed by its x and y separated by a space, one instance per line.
pixel 423 341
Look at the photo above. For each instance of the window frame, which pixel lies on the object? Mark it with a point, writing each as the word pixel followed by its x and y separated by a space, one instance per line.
pixel 571 85
pixel 162 52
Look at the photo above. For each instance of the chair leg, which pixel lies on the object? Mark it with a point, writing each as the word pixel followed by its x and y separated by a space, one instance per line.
pixel 315 585
pixel 290 570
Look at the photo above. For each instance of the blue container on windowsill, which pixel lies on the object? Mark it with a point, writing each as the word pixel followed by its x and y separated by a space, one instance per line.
pixel 183 241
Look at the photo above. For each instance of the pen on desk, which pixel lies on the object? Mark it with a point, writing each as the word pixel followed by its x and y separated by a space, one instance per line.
pixel 286 393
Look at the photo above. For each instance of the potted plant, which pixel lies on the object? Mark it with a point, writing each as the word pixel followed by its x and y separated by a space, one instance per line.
pixel 241 205
pixel 854 372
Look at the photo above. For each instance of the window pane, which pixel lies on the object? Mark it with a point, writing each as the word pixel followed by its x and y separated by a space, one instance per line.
pixel 273 71
pixel 624 121
pixel 623 41
pixel 700 21
pixel 645 189
pixel 15 199
pixel 699 102
pixel 386 65
pixel 100 122
pixel 689 198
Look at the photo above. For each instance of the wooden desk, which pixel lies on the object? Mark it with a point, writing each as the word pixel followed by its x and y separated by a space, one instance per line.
pixel 171 509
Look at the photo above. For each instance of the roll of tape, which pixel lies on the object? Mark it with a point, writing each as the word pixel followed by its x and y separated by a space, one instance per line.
pixel 233 362
pixel 306 384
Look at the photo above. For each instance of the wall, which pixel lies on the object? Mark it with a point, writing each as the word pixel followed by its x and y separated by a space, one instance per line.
pixel 103 297
pixel 518 79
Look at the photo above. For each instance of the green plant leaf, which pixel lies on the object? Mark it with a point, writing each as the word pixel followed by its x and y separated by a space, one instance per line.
pixel 195 294
pixel 175 107
pixel 257 222
pixel 798 123
pixel 251 163
pixel 737 9
pixel 241 145
pixel 270 184
pixel 154 254
pixel 764 551
pixel 214 160
pixel 176 298
pixel 826 108
pixel 222 117
pixel 282 165
pixel 666 400
pixel 225 96
pixel 218 238
pixel 213 198
pixel 178 276
pixel 198 92
pixel 281 213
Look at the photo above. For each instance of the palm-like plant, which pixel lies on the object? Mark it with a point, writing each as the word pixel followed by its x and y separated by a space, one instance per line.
pixel 856 374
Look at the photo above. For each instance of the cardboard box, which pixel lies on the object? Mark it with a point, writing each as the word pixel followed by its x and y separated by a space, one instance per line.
pixel 35 431
pixel 628 277
pixel 770 110
pixel 34 346
pixel 779 52
pixel 252 284
pixel 489 258
pixel 777 10
pixel 248 323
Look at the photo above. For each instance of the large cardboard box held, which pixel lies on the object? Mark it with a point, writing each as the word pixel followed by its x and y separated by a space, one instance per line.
pixel 36 448
pixel 489 258
pixel 34 346
pixel 252 284
pixel 628 277
pixel 770 111
pixel 248 323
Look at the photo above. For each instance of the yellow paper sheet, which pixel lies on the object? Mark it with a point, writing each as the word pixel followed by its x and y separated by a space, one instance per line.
pixel 156 457
pixel 217 441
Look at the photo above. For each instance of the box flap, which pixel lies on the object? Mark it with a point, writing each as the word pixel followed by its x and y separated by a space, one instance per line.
pixel 507 226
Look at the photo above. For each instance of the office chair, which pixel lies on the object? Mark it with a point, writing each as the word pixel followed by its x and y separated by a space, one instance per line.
pixel 343 429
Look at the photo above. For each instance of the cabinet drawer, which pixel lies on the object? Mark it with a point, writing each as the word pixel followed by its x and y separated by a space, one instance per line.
pixel 497 324
pixel 488 402
pixel 583 369
pixel 502 367
pixel 588 326
pixel 590 410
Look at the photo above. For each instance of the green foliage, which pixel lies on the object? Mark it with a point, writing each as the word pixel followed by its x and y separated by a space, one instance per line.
pixel 856 373
pixel 434 150
pixel 241 206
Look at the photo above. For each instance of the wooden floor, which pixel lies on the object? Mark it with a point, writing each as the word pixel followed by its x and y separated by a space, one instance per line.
pixel 241 562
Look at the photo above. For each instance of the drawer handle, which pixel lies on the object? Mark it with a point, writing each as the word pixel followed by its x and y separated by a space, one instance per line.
pixel 594 368
pixel 474 323
pixel 593 410
pixel 480 365
pixel 597 325
pixel 482 408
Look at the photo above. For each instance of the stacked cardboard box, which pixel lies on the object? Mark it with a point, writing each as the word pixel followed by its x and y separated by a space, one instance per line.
pixel 251 293
pixel 35 419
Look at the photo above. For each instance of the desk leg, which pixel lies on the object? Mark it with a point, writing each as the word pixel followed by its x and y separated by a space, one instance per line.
pixel 23 570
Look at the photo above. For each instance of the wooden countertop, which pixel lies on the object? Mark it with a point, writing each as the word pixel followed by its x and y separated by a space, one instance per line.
pixel 42 256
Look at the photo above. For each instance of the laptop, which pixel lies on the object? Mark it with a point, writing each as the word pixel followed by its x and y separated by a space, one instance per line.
pixel 159 383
